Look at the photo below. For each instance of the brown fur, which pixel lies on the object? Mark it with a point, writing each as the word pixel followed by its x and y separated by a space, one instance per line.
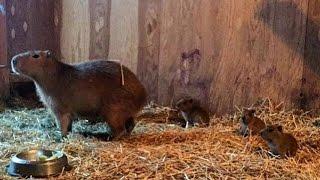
pixel 280 143
pixel 250 124
pixel 90 89
pixel 192 112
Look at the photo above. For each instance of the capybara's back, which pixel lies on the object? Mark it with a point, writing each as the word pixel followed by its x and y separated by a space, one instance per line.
pixel 91 89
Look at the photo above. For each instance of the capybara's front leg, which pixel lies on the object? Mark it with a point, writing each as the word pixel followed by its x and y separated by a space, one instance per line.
pixel 64 122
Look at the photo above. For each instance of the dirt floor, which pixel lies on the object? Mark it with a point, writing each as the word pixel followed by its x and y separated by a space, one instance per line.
pixel 158 149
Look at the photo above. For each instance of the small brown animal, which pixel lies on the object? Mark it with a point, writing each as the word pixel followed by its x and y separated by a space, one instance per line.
pixel 280 143
pixel 89 90
pixel 192 113
pixel 250 124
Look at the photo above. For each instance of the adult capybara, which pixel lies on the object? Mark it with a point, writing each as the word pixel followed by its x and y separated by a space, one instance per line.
pixel 97 88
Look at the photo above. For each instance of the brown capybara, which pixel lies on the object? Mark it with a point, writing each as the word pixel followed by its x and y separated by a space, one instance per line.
pixel 89 90
pixel 250 124
pixel 280 143
pixel 192 113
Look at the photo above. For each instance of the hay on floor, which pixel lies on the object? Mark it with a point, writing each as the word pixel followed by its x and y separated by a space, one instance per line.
pixel 158 150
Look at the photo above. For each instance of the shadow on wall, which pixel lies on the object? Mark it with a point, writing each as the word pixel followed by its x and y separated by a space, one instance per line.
pixel 309 50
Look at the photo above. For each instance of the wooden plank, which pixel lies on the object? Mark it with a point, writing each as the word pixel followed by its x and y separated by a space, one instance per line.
pixel 149 45
pixel 57 19
pixel 250 50
pixel 4 72
pixel 124 32
pixel 311 73
pixel 16 15
pixel 30 25
pixel 193 26
pixel 100 28
pixel 176 37
pixel 75 31
pixel 38 25
pixel 262 58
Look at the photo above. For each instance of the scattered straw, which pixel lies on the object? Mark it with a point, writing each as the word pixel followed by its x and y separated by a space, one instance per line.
pixel 163 151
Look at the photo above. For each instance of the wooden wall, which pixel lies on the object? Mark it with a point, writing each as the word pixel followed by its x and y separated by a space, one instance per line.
pixel 30 25
pixel 249 49
pixel 4 78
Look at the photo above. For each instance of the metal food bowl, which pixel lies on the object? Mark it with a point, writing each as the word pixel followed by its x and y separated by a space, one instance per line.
pixel 38 163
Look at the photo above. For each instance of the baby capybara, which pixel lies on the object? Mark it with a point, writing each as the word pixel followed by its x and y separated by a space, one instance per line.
pixel 192 113
pixel 280 143
pixel 89 90
pixel 250 124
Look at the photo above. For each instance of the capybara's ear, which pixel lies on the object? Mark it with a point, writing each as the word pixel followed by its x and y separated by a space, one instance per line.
pixel 279 127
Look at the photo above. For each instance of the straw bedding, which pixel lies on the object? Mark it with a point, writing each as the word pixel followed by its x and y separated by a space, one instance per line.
pixel 159 150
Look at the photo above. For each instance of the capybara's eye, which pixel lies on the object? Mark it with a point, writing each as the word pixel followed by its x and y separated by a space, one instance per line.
pixel 36 56
pixel 270 130
pixel 49 54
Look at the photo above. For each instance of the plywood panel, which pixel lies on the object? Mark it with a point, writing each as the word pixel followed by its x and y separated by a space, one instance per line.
pixel 100 28
pixel 149 45
pixel 124 32
pixel 75 30
pixel 30 25
pixel 249 50
pixel 4 76
pixel 57 20
pixel 311 75
pixel 177 36
pixel 256 61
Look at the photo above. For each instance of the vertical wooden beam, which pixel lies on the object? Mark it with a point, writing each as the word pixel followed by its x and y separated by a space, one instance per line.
pixel 311 69
pixel 57 20
pixel 4 72
pixel 187 25
pixel 149 45
pixel 100 28
pixel 75 30
pixel 124 32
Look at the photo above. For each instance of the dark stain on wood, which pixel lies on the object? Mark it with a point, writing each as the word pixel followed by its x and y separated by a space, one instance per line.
pixel 4 72
pixel 149 45
pixel 100 28
pixel 311 69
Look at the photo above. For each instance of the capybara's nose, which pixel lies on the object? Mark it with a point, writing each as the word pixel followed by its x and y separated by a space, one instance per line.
pixel 14 62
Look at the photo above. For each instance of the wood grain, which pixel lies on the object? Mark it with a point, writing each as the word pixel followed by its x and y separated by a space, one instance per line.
pixel 100 28
pixel 177 36
pixel 124 32
pixel 256 63
pixel 75 31
pixel 4 72
pixel 250 50
pixel 30 25
pixel 311 73
pixel 149 45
